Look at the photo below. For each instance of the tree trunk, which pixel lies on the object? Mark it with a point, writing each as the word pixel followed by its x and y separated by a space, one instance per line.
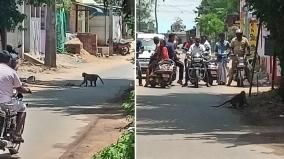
pixel 156 18
pixel 3 34
pixel 281 58
pixel 50 51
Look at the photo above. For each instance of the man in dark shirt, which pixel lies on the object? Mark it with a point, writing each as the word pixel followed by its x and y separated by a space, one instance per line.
pixel 173 56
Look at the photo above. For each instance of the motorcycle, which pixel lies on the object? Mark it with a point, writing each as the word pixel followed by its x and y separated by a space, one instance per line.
pixel 222 67
pixel 164 74
pixel 8 118
pixel 122 47
pixel 197 69
pixel 242 70
pixel 211 67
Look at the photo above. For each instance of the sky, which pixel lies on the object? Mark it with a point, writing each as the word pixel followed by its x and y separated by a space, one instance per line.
pixel 170 9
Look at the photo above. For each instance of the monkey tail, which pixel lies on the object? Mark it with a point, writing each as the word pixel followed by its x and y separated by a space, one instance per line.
pixel 101 80
pixel 217 106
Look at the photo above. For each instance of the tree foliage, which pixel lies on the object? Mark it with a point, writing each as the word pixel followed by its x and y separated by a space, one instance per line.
pixel 144 9
pixel 222 8
pixel 210 25
pixel 213 14
pixel 271 13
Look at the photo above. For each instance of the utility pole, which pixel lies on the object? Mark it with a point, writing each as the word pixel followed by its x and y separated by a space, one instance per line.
pixel 50 49
pixel 110 30
pixel 255 57
pixel 156 18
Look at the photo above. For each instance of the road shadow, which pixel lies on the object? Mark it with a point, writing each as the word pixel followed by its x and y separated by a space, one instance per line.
pixel 75 100
pixel 190 115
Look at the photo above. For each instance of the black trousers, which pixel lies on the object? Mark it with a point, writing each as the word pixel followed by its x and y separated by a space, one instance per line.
pixel 186 71
pixel 139 71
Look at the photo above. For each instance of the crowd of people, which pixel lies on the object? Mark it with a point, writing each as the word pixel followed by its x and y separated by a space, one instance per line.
pixel 167 50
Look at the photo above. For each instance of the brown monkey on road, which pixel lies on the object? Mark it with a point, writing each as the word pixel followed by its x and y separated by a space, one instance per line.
pixel 238 101
pixel 90 77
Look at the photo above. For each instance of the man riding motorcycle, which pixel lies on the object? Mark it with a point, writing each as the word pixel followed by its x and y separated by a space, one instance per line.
pixel 172 55
pixel 221 47
pixel 153 60
pixel 240 47
pixel 9 80
pixel 195 48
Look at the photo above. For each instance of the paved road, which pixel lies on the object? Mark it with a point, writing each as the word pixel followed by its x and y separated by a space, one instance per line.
pixel 179 123
pixel 56 115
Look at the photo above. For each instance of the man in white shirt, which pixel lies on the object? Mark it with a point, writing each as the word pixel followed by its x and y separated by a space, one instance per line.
pixel 195 48
pixel 9 80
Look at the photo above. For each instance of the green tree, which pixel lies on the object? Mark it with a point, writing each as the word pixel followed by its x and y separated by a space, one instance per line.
pixel 222 8
pixel 271 13
pixel 218 10
pixel 144 9
pixel 210 25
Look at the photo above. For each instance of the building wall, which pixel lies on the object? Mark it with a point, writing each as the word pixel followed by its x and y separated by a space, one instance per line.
pixel 100 25
pixel 72 19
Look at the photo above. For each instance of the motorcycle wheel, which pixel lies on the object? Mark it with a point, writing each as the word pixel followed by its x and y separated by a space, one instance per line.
pixel 163 84
pixel 196 83
pixel 152 84
pixel 210 80
pixel 240 79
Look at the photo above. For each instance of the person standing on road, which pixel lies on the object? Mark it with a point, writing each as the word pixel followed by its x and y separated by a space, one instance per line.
pixel 240 47
pixel 9 80
pixel 221 47
pixel 153 60
pixel 173 56
pixel 195 48
pixel 138 49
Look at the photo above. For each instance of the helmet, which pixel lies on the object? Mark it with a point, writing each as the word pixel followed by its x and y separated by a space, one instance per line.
pixel 5 57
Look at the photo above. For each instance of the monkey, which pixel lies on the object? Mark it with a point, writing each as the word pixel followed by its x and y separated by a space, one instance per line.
pixel 92 78
pixel 238 101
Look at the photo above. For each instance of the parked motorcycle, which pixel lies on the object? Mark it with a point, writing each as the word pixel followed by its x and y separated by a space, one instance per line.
pixel 222 58
pixel 122 47
pixel 8 118
pixel 198 69
pixel 164 74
